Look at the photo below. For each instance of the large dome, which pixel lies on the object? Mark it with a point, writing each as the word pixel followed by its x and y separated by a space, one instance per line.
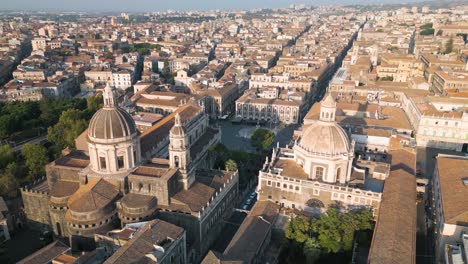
pixel 325 138
pixel 111 123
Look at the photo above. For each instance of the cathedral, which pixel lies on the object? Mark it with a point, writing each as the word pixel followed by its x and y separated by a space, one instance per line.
pixel 317 170
pixel 118 175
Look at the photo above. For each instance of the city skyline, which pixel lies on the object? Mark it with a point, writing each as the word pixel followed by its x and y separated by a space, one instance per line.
pixel 178 5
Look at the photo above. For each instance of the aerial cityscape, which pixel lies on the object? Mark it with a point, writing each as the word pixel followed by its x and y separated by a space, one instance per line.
pixel 234 132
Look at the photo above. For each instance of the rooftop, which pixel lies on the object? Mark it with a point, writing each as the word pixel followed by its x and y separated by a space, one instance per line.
pixel 452 170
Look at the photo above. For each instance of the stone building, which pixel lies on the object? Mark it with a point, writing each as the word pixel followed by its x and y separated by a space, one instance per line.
pixel 148 242
pixel 288 109
pixel 318 170
pixel 114 181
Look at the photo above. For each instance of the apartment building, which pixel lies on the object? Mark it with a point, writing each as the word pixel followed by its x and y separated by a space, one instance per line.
pixel 440 122
pixel 399 67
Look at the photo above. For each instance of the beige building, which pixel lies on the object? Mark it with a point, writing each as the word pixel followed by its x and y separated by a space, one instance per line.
pixel 284 81
pixel 252 107
pixel 440 122
pixel 115 179
pixel 450 201
pixel 443 82
pixel 317 171
pixel 399 67
pixel 39 44
pixel 36 75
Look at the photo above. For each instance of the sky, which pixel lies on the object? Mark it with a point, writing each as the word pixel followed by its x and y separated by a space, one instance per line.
pixel 162 5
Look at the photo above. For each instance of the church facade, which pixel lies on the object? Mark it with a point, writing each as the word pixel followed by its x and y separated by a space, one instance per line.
pixel 317 171
pixel 115 181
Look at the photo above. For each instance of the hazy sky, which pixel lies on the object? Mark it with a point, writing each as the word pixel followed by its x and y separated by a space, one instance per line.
pixel 160 5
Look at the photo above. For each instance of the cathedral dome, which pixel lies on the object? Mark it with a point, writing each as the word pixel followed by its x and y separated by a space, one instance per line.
pixel 111 122
pixel 325 138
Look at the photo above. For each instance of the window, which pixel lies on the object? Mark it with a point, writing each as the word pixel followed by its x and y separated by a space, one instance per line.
pixel 269 183
pixel 297 188
pixel 318 172
pixel 120 162
pixel 278 184
pixel 338 172
pixel 102 162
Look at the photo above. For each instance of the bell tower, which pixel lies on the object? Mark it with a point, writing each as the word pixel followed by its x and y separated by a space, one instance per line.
pixel 179 151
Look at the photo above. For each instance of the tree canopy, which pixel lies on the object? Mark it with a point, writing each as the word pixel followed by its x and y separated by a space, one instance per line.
pixel 8 182
pixel 262 138
pixel 333 232
pixel 231 165
pixel 449 46
pixel 248 164
pixel 70 125
pixel 73 122
pixel 35 158
pixel 7 156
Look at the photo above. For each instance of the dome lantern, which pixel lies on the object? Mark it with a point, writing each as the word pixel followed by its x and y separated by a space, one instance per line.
pixel 328 109
pixel 109 97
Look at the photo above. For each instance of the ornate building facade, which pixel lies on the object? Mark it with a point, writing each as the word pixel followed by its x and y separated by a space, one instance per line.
pixel 317 170
pixel 92 191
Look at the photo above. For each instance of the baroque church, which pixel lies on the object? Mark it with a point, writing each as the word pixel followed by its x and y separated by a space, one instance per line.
pixel 317 170
pixel 118 175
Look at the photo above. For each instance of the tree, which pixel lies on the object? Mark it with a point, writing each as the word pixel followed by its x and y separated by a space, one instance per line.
pixel 8 182
pixel 220 154
pixel 166 70
pixel 327 228
pixel 299 229
pixel 449 46
pixel 262 138
pixel 231 165
pixel 300 235
pixel 311 250
pixel 6 156
pixel 428 31
pixel 387 78
pixel 7 125
pixel 336 230
pixel 94 103
pixel 331 233
pixel 70 126
pixel 35 157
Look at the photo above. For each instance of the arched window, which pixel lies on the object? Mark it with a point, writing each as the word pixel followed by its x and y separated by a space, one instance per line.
pixel 327 115
pixel 338 172
pixel 176 161
pixel 102 163
pixel 319 172
pixel 120 162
